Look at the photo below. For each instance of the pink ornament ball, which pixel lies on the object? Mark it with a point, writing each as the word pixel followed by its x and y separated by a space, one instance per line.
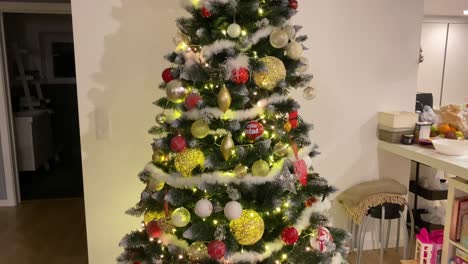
pixel 167 75
pixel 216 249
pixel 178 144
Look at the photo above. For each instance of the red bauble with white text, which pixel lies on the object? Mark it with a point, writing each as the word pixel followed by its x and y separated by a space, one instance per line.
pixel 293 4
pixel 178 144
pixel 205 12
pixel 254 130
pixel 289 235
pixel 167 75
pixel 192 100
pixel 240 75
pixel 153 230
pixel 216 249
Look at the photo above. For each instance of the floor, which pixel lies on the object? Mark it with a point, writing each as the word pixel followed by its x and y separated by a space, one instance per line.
pixel 391 256
pixel 44 231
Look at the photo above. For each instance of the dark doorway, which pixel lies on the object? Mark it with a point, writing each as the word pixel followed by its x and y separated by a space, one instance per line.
pixel 43 90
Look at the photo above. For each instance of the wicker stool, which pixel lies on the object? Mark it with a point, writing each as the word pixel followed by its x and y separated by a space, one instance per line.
pixel 389 212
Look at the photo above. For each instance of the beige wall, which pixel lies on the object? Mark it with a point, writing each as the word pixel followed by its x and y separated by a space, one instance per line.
pixel 364 55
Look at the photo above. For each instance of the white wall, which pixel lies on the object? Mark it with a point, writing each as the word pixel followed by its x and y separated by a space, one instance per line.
pixel 364 54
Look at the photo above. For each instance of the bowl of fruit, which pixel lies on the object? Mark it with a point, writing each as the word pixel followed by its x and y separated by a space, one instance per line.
pixel 447 131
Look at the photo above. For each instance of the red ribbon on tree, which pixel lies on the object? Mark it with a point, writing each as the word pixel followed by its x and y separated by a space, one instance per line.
pixel 300 167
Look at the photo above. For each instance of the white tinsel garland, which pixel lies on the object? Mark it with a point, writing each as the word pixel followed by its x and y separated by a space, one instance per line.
pixel 220 177
pixel 217 47
pixel 240 115
pixel 260 34
pixel 252 256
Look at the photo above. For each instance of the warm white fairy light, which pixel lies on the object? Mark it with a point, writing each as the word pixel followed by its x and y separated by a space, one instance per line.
pixel 151 239
pixel 284 256
pixel 308 249
pixel 181 257
pixel 244 33
pixel 159 241
pixel 260 11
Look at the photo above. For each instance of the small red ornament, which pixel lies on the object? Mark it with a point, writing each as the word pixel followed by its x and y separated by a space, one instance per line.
pixel 167 75
pixel 192 100
pixel 153 230
pixel 254 130
pixel 240 76
pixel 178 143
pixel 216 249
pixel 205 12
pixel 309 202
pixel 293 4
pixel 294 118
pixel 289 235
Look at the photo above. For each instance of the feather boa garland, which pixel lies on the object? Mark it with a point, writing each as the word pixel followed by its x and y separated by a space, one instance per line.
pixel 220 177
pixel 240 115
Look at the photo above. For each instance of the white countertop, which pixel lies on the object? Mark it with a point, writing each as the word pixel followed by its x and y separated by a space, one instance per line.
pixel 457 166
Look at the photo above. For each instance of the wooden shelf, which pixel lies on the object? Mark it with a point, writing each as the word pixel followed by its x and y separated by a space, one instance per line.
pixel 458 245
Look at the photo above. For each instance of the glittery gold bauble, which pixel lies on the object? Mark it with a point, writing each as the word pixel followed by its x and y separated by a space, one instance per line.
pixel 161 118
pixel 310 93
pixel 166 224
pixel 260 168
pixel 200 129
pixel 176 91
pixel 274 73
pixel 197 251
pixel 240 171
pixel 281 149
pixel 180 217
pixel 248 229
pixel 159 157
pixel 287 127
pixel 227 145
pixel 224 99
pixel 185 162
pixel 154 215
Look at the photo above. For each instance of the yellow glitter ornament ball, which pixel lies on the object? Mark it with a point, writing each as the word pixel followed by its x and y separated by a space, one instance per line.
pixel 180 217
pixel 197 251
pixel 274 72
pixel 156 186
pixel 154 215
pixel 248 229
pixel 185 162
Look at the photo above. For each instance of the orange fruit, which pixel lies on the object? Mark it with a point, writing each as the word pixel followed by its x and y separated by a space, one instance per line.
pixel 444 128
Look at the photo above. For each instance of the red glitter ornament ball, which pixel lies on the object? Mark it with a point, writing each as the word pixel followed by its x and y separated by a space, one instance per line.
pixel 309 202
pixel 167 75
pixel 216 249
pixel 205 12
pixel 254 130
pixel 293 4
pixel 153 230
pixel 240 76
pixel 294 119
pixel 289 235
pixel 178 143
pixel 192 100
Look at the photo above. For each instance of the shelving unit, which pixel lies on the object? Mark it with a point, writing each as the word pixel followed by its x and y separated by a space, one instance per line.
pixel 430 195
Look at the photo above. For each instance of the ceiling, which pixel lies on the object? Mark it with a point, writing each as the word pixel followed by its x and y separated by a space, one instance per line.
pixel 445 7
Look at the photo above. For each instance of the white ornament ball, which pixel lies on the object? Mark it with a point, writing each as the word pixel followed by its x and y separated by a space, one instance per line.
pixel 203 208
pixel 304 65
pixel 310 93
pixel 290 31
pixel 294 50
pixel 279 38
pixel 233 210
pixel 234 30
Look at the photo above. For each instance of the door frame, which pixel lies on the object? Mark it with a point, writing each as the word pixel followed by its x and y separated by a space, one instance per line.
pixel 6 114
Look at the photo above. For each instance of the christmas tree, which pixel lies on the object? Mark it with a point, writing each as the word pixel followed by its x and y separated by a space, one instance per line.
pixel 231 177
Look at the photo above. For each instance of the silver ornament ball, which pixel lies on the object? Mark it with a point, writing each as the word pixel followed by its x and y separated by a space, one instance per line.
pixel 294 50
pixel 234 30
pixel 279 38
pixel 310 93
pixel 176 92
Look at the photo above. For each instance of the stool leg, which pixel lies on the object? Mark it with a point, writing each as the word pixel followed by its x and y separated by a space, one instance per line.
pixel 398 234
pixel 353 235
pixel 361 237
pixel 388 232
pixel 382 235
pixel 411 237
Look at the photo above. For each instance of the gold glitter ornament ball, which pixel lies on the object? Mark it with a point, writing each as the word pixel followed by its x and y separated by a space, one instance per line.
pixel 197 251
pixel 185 162
pixel 154 215
pixel 248 229
pixel 273 73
